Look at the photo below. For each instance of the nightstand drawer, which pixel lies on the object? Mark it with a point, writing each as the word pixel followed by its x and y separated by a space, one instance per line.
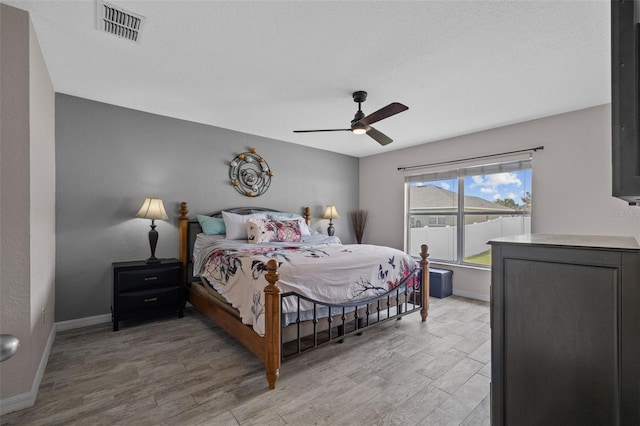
pixel 140 279
pixel 136 301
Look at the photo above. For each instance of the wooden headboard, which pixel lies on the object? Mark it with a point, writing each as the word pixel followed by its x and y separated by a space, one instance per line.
pixel 190 228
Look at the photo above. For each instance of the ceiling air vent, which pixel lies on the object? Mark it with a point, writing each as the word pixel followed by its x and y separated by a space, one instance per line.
pixel 119 22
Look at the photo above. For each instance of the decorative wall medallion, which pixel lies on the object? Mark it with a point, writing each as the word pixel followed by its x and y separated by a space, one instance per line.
pixel 250 174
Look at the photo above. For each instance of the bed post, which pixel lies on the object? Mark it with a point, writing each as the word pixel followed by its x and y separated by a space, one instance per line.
pixel 424 264
pixel 272 320
pixel 182 251
pixel 307 216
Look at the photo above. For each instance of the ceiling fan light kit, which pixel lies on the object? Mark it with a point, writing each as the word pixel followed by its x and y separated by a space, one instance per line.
pixel 361 124
pixel 359 128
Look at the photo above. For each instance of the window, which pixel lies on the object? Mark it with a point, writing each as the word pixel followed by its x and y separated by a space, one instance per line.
pixel 457 210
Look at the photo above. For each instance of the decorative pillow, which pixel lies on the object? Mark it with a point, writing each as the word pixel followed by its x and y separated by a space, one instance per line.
pixel 235 224
pixel 211 225
pixel 304 229
pixel 265 231
pixel 257 231
pixel 287 231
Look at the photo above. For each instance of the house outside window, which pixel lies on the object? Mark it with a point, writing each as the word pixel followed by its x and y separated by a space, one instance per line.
pixel 438 220
pixel 457 210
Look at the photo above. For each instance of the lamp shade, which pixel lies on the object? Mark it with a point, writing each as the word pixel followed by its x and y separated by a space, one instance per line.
pixel 331 213
pixel 152 209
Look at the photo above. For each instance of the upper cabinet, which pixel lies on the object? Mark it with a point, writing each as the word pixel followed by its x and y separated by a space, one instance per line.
pixel 625 99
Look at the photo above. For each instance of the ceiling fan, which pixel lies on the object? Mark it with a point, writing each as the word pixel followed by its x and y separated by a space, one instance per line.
pixel 361 124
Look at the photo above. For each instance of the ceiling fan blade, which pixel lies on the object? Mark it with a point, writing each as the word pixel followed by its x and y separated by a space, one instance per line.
pixel 379 137
pixel 385 112
pixel 322 130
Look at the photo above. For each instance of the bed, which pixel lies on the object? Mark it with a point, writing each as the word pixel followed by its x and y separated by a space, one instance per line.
pixel 275 318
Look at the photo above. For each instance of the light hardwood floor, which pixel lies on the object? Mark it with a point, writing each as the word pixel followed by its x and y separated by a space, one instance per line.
pixel 189 372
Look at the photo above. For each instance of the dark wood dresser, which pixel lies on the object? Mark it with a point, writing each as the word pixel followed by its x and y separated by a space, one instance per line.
pixel 141 288
pixel 565 330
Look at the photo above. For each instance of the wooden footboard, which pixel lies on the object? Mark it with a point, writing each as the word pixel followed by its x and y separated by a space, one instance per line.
pixel 267 348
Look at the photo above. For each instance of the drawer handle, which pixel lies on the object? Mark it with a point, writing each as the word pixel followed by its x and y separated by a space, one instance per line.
pixel 151 299
pixel 150 278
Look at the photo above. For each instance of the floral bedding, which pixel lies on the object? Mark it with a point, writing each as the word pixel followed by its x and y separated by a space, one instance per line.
pixel 320 268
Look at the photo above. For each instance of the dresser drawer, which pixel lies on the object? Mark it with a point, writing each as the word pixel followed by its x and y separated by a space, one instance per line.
pixel 139 279
pixel 137 301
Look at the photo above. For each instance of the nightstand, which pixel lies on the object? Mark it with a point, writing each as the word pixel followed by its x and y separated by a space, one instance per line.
pixel 141 289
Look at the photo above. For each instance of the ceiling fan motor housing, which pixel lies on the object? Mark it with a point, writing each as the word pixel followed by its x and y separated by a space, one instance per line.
pixel 359 96
pixel 359 128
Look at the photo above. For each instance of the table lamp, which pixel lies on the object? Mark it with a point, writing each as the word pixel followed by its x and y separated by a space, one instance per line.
pixel 153 209
pixel 331 213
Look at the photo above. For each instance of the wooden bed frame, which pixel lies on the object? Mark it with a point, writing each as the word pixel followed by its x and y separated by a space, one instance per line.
pixel 267 347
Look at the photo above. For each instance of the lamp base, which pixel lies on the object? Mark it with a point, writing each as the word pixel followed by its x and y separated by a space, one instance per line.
pixel 153 241
pixel 331 231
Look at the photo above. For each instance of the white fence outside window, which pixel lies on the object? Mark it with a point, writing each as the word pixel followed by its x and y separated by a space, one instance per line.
pixel 443 243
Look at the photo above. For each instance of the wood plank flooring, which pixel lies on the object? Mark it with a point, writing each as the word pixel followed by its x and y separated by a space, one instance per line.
pixel 188 371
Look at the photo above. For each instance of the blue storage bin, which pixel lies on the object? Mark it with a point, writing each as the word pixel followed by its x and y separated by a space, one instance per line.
pixel 440 282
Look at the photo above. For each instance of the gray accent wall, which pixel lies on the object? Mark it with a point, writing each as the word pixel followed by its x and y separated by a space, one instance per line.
pixel 108 159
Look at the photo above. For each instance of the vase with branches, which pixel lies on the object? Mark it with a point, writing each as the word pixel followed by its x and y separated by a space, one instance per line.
pixel 359 221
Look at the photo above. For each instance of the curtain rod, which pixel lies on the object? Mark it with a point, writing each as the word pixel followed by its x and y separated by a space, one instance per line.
pixel 538 148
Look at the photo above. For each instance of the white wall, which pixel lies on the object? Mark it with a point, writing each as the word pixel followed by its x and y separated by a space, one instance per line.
pixel 16 374
pixel 27 201
pixel 42 196
pixel 571 182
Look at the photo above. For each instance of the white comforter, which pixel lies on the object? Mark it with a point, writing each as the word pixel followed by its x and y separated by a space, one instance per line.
pixel 320 268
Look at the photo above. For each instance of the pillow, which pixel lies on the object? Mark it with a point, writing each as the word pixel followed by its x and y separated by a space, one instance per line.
pixel 304 229
pixel 275 213
pixel 288 231
pixel 257 232
pixel 211 225
pixel 265 231
pixel 235 224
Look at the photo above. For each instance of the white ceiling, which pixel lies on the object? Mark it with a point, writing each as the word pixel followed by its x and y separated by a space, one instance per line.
pixel 269 67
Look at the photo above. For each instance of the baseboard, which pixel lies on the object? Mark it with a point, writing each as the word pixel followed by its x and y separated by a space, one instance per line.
pixel 471 295
pixel 83 322
pixel 28 399
pixel 17 402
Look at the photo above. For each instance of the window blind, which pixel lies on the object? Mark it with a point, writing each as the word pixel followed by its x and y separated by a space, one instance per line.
pixel 480 166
